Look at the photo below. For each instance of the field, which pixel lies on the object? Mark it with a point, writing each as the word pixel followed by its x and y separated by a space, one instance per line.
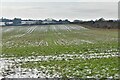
pixel 69 51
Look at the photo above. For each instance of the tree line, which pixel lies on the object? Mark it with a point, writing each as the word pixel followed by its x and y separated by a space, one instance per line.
pixel 100 23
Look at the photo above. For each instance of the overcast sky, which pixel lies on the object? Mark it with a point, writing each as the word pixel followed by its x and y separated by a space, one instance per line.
pixel 60 0
pixel 59 10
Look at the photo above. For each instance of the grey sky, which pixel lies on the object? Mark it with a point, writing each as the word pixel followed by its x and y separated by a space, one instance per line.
pixel 60 0
pixel 60 10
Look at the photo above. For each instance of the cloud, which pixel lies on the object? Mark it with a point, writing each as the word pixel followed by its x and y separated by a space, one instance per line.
pixel 62 10
pixel 60 0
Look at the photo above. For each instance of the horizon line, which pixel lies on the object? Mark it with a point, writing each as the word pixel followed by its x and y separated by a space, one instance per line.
pixel 59 19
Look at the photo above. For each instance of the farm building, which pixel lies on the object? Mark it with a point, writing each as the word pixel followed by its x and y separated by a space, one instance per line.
pixel 28 22
pixel 8 23
pixel 49 21
pixel 2 23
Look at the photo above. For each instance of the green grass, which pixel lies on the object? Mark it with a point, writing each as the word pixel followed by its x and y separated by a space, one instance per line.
pixel 56 42
pixel 60 49
pixel 97 68
pixel 72 41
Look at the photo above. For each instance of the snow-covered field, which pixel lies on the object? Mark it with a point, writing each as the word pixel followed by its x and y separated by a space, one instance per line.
pixel 58 51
